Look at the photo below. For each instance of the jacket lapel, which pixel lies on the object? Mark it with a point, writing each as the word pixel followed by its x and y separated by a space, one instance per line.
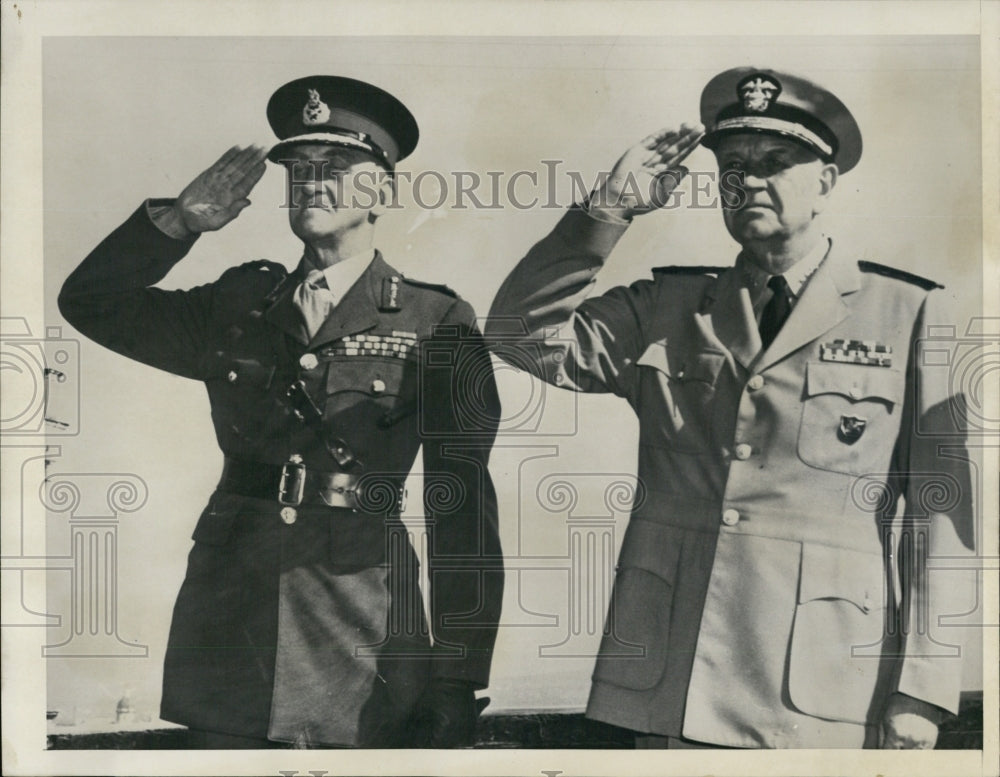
pixel 730 316
pixel 284 314
pixel 820 308
pixel 357 311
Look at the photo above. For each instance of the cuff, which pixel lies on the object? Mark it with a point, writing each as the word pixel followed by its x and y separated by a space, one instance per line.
pixel 580 230
pixel 162 213
pixel 600 214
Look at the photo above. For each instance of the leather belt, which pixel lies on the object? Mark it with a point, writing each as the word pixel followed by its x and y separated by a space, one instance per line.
pixel 293 484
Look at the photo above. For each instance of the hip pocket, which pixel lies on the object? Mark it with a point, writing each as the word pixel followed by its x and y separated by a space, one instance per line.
pixel 633 650
pixel 836 649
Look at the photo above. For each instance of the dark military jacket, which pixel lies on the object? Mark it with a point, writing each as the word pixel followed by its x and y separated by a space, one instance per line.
pixel 306 624
pixel 776 582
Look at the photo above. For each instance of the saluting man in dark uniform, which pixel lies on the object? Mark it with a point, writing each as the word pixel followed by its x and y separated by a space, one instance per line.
pixel 764 596
pixel 300 619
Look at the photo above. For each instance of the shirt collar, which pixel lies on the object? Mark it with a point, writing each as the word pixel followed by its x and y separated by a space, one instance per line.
pixel 799 273
pixel 340 277
pixel 796 276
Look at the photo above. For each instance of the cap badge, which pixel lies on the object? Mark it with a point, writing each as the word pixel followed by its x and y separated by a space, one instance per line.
pixel 757 92
pixel 315 111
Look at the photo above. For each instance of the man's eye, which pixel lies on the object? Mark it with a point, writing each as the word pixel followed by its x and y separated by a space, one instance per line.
pixel 312 171
pixel 773 165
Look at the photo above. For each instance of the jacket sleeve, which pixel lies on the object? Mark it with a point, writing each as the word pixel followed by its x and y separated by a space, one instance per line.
pixel 108 298
pixel 542 321
pixel 937 542
pixel 460 412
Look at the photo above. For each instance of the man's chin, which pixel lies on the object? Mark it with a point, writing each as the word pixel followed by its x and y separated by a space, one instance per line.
pixel 752 229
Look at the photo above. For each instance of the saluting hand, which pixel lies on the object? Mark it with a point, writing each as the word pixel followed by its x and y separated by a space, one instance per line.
pixel 217 195
pixel 647 173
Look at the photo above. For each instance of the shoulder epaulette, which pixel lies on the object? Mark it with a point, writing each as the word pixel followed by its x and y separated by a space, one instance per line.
pixel 683 269
pixel 264 265
pixel 275 270
pixel 440 287
pixel 899 275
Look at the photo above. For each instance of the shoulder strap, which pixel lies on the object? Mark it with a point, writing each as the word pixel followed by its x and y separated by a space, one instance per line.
pixel 899 275
pixel 682 269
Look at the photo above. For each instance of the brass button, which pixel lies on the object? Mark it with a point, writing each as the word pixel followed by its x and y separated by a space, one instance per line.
pixel 756 382
pixel 231 377
pixel 731 517
pixel 378 386
pixel 855 392
pixel 308 361
pixel 289 515
pixel 743 451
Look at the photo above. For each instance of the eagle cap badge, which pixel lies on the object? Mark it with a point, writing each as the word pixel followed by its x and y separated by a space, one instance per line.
pixel 757 92
pixel 315 111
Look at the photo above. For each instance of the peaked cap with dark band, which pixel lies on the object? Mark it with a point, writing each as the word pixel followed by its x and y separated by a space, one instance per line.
pixel 339 111
pixel 750 99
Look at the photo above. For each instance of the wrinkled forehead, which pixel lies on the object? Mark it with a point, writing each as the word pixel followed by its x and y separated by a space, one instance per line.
pixel 329 157
pixel 747 145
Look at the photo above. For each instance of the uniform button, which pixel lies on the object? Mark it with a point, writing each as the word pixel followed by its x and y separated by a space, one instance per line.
pixel 231 377
pixel 743 451
pixel 378 386
pixel 731 517
pixel 855 392
pixel 289 515
pixel 308 361
pixel 756 382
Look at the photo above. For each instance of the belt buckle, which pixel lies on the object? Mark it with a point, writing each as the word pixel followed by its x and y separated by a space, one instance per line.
pixel 292 486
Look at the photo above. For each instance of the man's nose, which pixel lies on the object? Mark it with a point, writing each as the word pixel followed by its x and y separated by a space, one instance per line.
pixel 307 190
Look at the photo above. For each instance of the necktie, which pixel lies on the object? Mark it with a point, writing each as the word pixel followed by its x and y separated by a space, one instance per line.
pixel 314 300
pixel 775 311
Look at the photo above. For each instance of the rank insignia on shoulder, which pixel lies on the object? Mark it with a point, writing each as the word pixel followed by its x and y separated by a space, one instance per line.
pixel 689 269
pixel 900 275
pixel 390 295
pixel 857 352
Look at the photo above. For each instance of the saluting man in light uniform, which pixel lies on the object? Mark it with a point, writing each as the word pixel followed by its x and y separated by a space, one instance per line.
pixel 753 604
pixel 300 619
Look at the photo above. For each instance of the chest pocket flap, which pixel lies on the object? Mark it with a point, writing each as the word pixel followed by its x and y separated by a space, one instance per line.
pixel 683 365
pixel 854 381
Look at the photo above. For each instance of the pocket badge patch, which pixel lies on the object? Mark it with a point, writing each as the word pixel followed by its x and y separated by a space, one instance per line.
pixel 851 428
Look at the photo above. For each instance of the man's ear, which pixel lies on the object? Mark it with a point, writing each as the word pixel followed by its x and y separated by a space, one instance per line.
pixel 828 175
pixel 386 191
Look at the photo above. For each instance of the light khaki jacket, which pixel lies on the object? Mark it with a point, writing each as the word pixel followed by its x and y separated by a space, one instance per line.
pixel 757 603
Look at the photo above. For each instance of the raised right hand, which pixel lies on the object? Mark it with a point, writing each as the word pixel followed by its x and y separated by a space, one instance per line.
pixel 647 173
pixel 217 195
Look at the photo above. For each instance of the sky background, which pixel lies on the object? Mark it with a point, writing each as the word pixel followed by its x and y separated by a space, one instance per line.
pixel 128 118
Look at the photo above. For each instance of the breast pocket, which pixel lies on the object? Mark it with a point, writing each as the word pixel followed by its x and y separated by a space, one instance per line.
pixel 850 417
pixel 677 393
pixel 637 631
pixel 381 389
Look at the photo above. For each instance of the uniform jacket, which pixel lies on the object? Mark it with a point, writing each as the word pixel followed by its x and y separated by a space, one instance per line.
pixel 754 602
pixel 314 631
